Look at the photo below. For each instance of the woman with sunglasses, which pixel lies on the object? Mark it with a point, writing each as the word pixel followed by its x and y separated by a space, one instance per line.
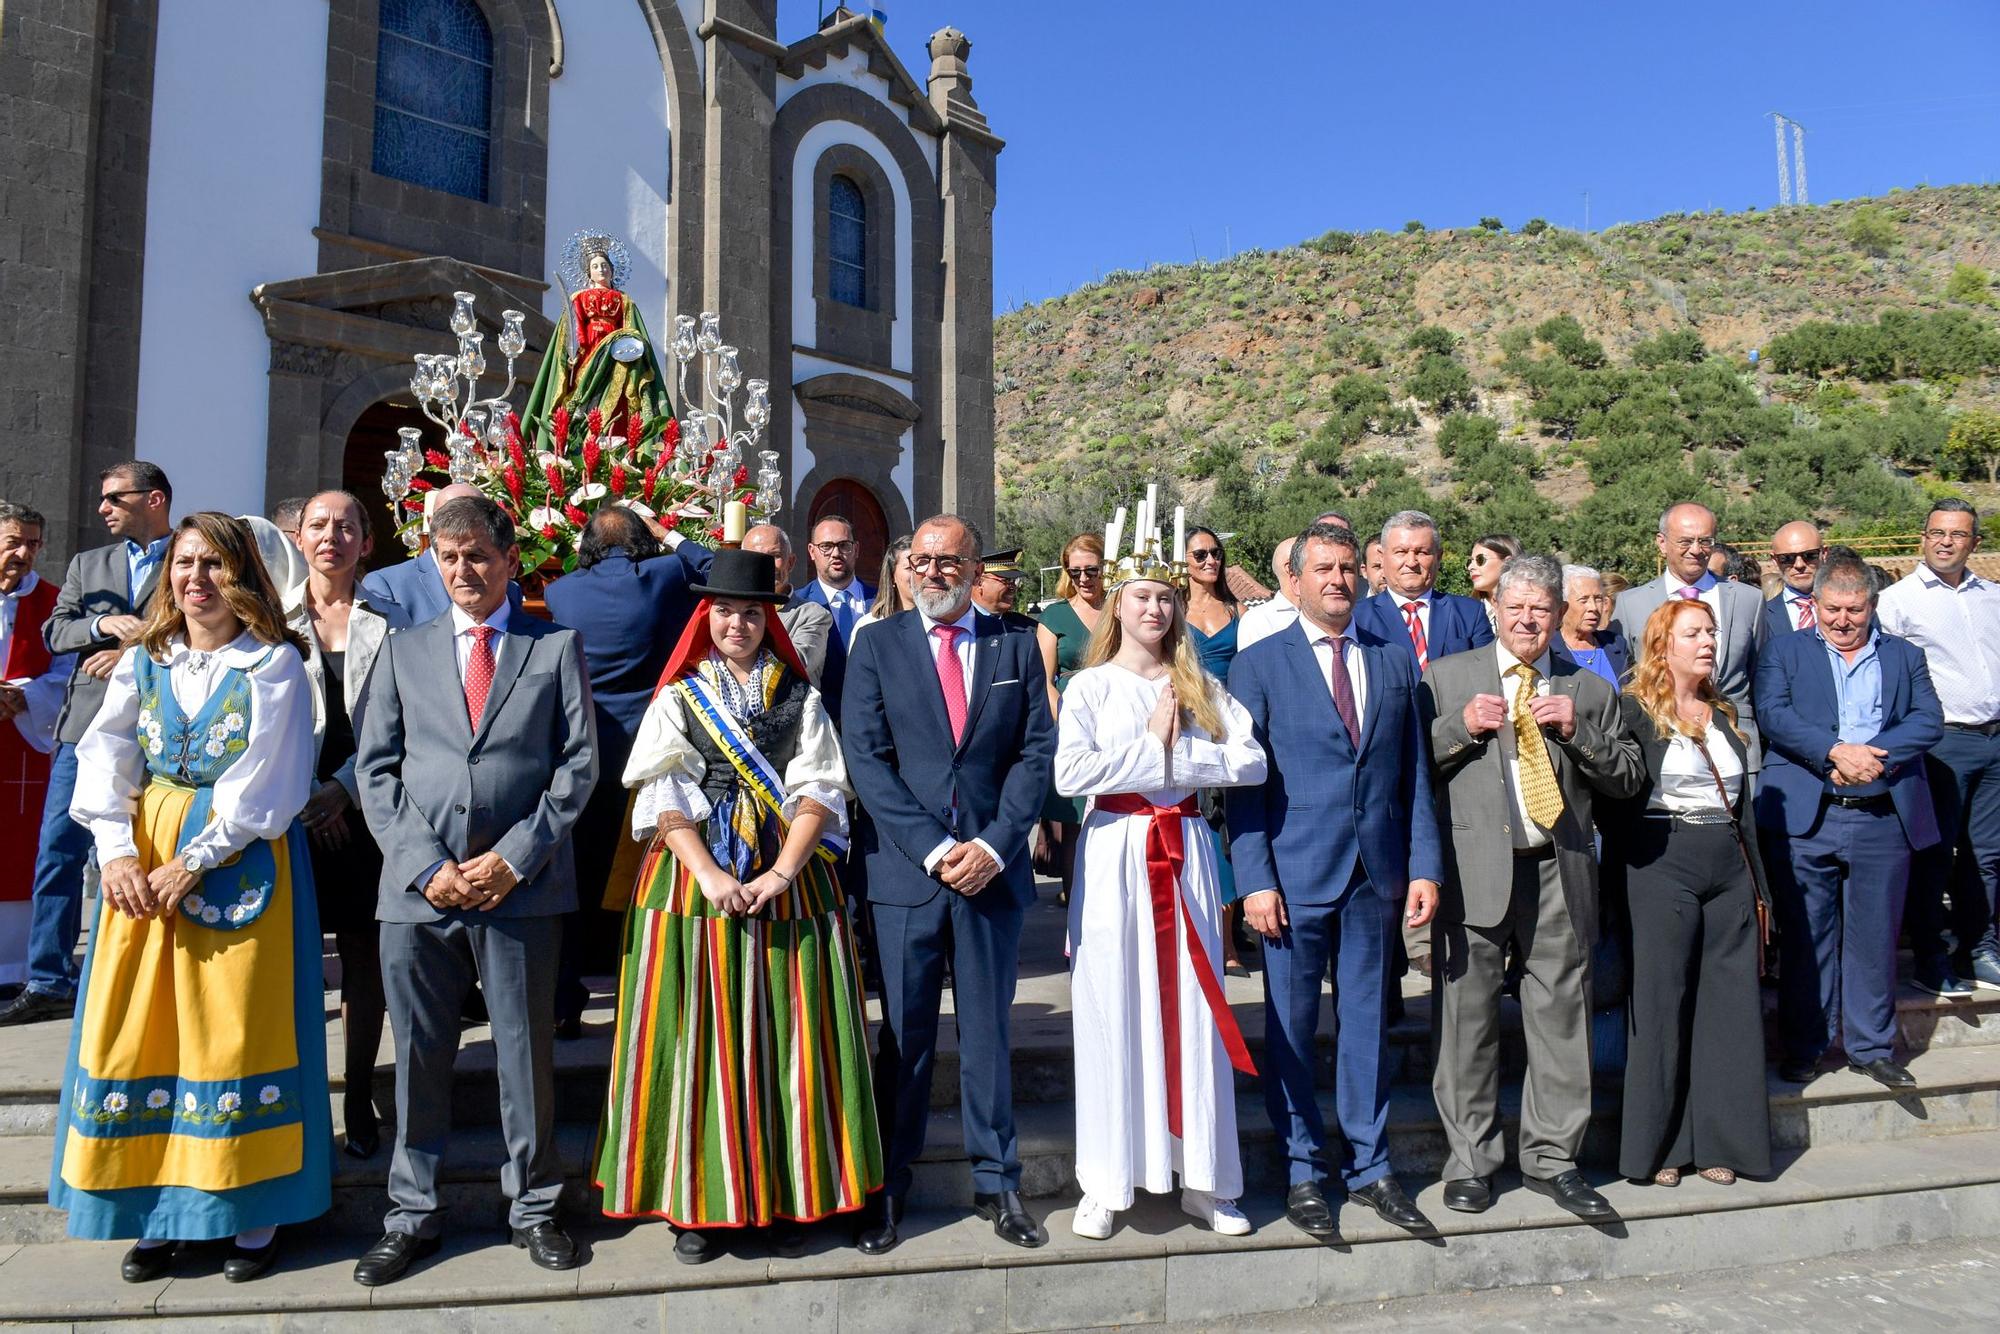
pixel 1064 634
pixel 1489 553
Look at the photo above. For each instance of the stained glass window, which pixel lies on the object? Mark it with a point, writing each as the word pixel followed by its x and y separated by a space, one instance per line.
pixel 847 242
pixel 434 95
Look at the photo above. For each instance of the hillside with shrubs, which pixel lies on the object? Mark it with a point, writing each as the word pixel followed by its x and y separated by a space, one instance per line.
pixel 1837 361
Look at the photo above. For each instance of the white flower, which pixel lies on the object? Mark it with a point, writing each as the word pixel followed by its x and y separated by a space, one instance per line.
pixel 211 914
pixel 153 745
pixel 189 1103
pixel 116 1101
pixel 234 723
pixel 218 731
pixel 268 1094
pixel 238 913
pixel 248 898
pixel 228 1102
pixel 588 492
pixel 545 459
pixel 157 1099
pixel 213 750
pixel 539 519
pixel 195 903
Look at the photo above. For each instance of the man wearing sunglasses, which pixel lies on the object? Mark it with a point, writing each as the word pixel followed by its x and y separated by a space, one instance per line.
pixel 997 591
pixel 1796 550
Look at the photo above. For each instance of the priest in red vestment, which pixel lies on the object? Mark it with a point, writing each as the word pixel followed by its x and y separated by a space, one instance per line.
pixel 31 694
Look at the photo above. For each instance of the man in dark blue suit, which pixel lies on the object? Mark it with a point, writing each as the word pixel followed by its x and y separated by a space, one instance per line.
pixel 1796 550
pixel 628 599
pixel 835 585
pixel 949 744
pixel 1329 854
pixel 1848 713
pixel 1409 611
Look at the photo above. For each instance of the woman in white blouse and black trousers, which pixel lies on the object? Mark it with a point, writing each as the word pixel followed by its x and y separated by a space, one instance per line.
pixel 1694 1077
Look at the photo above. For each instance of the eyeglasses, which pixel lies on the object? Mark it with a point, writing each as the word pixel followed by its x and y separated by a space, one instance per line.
pixel 119 497
pixel 1949 534
pixel 1085 571
pixel 1692 544
pixel 942 564
pixel 1205 554
pixel 833 548
pixel 1480 559
pixel 1798 557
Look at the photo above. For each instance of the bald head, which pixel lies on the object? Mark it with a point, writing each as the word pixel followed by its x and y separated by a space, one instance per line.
pixel 444 495
pixel 1686 539
pixel 770 540
pixel 1796 549
pixel 1281 567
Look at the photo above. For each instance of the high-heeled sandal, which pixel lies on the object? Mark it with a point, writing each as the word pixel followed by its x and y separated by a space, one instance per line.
pixel 1721 1176
pixel 1667 1176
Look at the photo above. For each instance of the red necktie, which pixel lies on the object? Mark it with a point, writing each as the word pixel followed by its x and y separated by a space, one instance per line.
pixel 1807 617
pixel 951 678
pixel 1417 639
pixel 1343 691
pixel 479 673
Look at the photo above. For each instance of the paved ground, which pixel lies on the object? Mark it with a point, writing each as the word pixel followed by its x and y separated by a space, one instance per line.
pixel 1949 1287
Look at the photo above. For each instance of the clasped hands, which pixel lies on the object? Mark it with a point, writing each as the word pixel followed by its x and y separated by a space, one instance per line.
pixel 740 898
pixel 481 882
pixel 141 894
pixel 1554 711
pixel 1856 763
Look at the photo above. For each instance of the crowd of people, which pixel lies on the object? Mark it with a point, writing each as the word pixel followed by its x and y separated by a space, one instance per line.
pixel 753 803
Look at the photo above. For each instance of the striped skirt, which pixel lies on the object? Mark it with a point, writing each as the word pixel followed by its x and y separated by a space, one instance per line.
pixel 740 1088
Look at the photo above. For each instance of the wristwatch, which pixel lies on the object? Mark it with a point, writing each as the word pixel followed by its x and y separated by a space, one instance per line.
pixel 193 861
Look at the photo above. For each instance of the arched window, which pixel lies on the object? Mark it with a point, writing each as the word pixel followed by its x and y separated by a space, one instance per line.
pixel 846 242
pixel 434 95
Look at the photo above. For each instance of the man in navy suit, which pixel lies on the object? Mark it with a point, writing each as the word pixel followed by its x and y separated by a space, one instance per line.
pixel 628 600
pixel 1410 611
pixel 950 744
pixel 1848 713
pixel 1333 849
pixel 1796 550
pixel 415 584
pixel 836 586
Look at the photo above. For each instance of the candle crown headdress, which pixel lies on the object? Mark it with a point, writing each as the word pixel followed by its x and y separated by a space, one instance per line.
pixel 1144 559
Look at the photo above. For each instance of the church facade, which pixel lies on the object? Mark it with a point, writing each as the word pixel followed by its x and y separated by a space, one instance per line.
pixel 240 223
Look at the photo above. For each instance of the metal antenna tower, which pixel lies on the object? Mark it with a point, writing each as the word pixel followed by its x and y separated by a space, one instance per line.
pixel 1786 190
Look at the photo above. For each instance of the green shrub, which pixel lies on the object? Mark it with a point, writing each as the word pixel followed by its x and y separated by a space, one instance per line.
pixel 1871 231
pixel 1413 226
pixel 1335 242
pixel 1676 345
pixel 1534 226
pixel 1970 284
pixel 1431 338
pixel 1492 225
pixel 1440 384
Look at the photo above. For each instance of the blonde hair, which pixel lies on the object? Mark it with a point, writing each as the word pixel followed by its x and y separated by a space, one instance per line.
pixel 1196 688
pixel 1091 542
pixel 1653 682
pixel 245 586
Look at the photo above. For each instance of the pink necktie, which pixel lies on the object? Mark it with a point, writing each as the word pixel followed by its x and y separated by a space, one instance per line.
pixel 478 673
pixel 1806 620
pixel 1417 639
pixel 951 678
pixel 1688 592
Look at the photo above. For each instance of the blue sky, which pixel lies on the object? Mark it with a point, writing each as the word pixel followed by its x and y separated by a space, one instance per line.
pixel 1140 132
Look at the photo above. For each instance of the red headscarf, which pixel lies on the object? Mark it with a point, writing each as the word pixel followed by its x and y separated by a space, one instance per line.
pixel 695 644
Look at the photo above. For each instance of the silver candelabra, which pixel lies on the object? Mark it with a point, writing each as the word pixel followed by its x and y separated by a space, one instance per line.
pixel 711 447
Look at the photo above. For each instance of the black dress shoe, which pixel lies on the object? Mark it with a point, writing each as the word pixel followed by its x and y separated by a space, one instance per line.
pixel 32 1007
pixel 143 1264
pixel 547 1244
pixel 1010 1219
pixel 1473 1195
pixel 788 1239
pixel 244 1264
pixel 391 1257
pixel 1572 1192
pixel 1306 1206
pixel 692 1247
pixel 878 1230
pixel 1387 1198
pixel 1885 1072
pixel 569 1029
pixel 1798 1072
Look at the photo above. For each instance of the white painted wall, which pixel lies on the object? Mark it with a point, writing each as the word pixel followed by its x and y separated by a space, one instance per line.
pixel 608 151
pixel 232 196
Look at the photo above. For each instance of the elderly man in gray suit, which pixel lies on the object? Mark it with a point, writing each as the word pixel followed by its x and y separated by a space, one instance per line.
pixel 1522 741
pixel 477 752
pixel 1686 539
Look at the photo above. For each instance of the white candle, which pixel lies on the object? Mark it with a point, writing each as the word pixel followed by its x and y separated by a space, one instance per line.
pixel 1114 533
pixel 1139 526
pixel 735 522
pixel 1180 534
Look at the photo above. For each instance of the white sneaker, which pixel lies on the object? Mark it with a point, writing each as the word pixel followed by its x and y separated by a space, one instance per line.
pixel 1092 1219
pixel 1222 1216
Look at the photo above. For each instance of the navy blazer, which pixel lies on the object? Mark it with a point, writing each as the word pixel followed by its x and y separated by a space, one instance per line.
pixel 1457 624
pixel 919 788
pixel 630 616
pixel 1617 651
pixel 1795 684
pixel 1778 615
pixel 1325 807
pixel 417 587
pixel 812 592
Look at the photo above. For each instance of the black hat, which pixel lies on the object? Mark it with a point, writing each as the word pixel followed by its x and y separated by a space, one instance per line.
pixel 1003 564
pixel 735 573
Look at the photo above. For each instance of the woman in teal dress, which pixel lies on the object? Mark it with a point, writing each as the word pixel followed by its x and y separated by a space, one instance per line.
pixel 1212 612
pixel 195 1104
pixel 1064 634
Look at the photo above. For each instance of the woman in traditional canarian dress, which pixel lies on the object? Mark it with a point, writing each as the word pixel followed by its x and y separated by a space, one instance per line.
pixel 195 1099
pixel 1142 728
pixel 740 1091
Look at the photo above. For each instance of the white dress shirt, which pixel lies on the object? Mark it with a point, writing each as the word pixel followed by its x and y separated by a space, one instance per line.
pixel 461 631
pixel 848 598
pixel 1704 588
pixel 1686 785
pixel 1264 620
pixel 1959 631
pixel 1357 671
pixel 965 645
pixel 1423 601
pixel 1532 834
pixel 44 693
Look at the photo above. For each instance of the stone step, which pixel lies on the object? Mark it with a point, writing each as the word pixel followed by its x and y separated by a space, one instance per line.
pixel 952 1275
pixel 1958 1092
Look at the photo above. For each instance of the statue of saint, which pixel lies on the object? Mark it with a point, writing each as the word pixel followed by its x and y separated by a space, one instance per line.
pixel 601 357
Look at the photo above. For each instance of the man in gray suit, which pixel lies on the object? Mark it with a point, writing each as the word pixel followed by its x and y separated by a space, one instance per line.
pixel 477 752
pixel 1522 741
pixel 1686 538
pixel 102 603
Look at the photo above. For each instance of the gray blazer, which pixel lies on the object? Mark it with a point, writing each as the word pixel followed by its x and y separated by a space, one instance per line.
pixel 367 628
pixel 1741 633
pixel 98 584
pixel 1475 798
pixel 432 788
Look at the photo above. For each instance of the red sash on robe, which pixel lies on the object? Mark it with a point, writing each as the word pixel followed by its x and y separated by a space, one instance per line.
pixel 24 771
pixel 1165 854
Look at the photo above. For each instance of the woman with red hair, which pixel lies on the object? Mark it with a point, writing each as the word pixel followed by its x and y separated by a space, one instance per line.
pixel 740 1092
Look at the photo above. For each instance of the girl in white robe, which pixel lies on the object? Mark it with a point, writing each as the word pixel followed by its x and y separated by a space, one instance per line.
pixel 1148 1110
